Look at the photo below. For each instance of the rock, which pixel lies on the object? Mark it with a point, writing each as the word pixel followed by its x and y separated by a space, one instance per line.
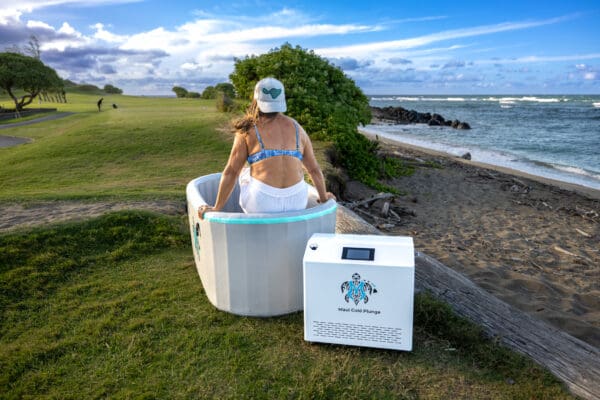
pixel 438 118
pixel 399 115
pixel 466 156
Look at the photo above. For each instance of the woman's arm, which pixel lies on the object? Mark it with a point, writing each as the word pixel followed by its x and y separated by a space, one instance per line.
pixel 312 167
pixel 237 159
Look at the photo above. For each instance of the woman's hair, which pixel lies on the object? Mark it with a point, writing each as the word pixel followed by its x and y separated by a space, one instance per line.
pixel 252 117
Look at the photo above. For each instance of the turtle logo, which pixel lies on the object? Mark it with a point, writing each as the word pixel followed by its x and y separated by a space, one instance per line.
pixel 357 289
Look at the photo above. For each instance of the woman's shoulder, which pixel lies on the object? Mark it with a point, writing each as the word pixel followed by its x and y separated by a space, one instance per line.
pixel 294 123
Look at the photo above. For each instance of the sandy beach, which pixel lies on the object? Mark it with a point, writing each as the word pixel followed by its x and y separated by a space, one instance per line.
pixel 531 242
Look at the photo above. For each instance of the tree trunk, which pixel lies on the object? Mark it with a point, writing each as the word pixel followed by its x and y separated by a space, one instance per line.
pixel 10 93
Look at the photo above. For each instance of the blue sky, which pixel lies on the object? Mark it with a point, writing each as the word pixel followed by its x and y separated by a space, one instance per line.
pixel 387 47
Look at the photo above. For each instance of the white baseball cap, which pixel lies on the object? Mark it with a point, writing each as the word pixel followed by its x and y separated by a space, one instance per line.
pixel 270 95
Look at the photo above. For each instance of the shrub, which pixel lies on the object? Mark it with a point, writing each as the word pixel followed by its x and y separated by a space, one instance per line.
pixel 224 102
pixel 179 91
pixel 112 89
pixel 209 93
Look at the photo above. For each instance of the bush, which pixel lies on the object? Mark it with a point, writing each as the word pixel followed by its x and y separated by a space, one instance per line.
pixel 224 102
pixel 209 93
pixel 179 91
pixel 112 89
pixel 85 87
pixel 226 88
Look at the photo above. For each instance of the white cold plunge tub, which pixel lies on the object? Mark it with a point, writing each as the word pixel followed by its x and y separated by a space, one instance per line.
pixel 251 264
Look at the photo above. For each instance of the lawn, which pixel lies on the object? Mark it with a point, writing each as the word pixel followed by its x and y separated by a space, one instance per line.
pixel 112 307
pixel 147 147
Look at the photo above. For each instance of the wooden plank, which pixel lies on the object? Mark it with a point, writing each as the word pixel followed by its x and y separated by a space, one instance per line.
pixel 573 361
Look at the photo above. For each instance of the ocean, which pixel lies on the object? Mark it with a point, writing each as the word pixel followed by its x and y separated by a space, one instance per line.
pixel 556 137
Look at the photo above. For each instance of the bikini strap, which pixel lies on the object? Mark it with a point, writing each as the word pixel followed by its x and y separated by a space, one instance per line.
pixel 297 141
pixel 262 145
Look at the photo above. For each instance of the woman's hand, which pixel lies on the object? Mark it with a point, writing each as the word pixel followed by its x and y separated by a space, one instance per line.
pixel 203 209
pixel 328 196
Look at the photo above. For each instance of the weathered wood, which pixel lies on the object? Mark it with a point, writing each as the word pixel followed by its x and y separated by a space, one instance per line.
pixel 371 200
pixel 573 361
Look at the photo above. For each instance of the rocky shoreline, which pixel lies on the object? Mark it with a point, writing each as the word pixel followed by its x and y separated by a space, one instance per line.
pixel 400 115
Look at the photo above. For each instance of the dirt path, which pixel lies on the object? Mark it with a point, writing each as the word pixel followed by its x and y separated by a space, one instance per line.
pixel 35 121
pixel 14 216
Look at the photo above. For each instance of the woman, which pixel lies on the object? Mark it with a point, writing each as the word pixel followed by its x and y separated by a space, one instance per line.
pixel 277 149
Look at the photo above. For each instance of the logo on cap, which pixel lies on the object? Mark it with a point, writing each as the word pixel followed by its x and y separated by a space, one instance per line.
pixel 274 92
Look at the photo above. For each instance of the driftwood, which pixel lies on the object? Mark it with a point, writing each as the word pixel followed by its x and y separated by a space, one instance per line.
pixel 385 216
pixel 573 361
pixel 371 200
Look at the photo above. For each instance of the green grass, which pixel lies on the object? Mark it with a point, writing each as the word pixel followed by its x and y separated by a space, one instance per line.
pixel 113 308
pixel 148 147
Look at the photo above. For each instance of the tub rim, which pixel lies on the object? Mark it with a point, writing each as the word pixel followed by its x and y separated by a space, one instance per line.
pixel 241 218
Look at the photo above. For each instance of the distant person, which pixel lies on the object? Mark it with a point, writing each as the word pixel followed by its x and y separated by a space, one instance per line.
pixel 100 104
pixel 277 149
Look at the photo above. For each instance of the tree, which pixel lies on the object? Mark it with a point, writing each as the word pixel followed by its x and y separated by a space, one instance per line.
pixel 112 89
pixel 209 93
pixel 226 88
pixel 179 91
pixel 29 74
pixel 314 88
pixel 33 48
pixel 324 101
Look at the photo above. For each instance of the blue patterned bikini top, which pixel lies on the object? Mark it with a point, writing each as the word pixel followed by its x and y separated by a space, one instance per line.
pixel 263 153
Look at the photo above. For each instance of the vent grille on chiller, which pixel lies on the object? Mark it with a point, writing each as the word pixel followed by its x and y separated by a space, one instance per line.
pixel 357 332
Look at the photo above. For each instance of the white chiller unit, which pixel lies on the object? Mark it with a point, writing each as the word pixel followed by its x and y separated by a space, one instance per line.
pixel 359 290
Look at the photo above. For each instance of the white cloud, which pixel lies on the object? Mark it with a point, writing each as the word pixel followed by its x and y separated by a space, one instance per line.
pixel 38 24
pixel 367 49
pixel 69 30
pixel 107 36
pixel 546 59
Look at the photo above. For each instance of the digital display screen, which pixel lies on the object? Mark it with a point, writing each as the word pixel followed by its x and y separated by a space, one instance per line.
pixel 358 253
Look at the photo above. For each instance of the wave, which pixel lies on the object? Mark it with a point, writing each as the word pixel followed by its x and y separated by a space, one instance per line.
pixel 413 136
pixel 596 105
pixel 529 99
pixel 421 98
pixel 577 171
